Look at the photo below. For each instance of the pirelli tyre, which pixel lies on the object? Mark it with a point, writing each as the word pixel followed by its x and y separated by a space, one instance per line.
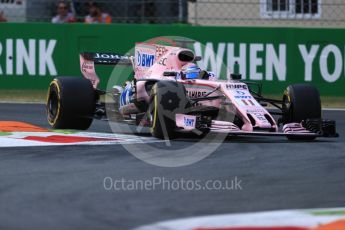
pixel 70 103
pixel 301 102
pixel 167 99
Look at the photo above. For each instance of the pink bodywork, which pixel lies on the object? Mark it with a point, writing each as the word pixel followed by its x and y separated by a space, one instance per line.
pixel 152 60
pixel 87 68
pixel 166 59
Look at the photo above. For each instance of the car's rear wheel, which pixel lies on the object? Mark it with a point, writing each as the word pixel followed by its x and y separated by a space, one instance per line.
pixel 70 103
pixel 301 102
pixel 167 99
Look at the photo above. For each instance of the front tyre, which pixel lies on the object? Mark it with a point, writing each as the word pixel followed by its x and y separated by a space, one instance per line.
pixel 301 102
pixel 167 99
pixel 70 103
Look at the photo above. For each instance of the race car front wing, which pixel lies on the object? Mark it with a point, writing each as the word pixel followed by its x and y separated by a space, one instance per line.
pixel 307 128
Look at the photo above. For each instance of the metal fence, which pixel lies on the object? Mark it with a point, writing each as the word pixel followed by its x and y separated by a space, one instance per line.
pixel 320 13
pixel 328 13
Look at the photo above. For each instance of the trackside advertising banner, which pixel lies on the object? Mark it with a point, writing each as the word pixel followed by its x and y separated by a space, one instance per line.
pixel 32 54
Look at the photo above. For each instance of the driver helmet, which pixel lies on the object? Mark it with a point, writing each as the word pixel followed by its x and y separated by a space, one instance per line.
pixel 191 71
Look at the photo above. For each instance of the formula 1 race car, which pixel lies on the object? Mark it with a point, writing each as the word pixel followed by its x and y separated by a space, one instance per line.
pixel 170 94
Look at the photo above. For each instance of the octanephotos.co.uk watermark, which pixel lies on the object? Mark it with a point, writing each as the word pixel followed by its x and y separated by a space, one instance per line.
pixel 165 184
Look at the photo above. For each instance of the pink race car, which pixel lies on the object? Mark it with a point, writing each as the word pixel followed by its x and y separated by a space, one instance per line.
pixel 170 94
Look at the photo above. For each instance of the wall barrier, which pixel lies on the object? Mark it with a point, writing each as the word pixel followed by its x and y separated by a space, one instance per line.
pixel 32 54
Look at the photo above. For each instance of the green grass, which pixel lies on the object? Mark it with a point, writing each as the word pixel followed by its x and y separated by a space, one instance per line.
pixel 4 134
pixel 333 102
pixel 29 96
pixel 39 96
pixel 329 213
pixel 64 131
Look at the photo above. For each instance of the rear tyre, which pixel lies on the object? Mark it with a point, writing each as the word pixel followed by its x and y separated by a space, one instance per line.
pixel 301 102
pixel 70 103
pixel 167 99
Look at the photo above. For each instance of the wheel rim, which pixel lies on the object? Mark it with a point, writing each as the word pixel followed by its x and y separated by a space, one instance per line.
pixel 150 113
pixel 53 105
pixel 286 109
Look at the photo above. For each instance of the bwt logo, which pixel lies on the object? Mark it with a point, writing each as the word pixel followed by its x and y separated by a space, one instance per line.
pixel 243 97
pixel 145 60
pixel 189 122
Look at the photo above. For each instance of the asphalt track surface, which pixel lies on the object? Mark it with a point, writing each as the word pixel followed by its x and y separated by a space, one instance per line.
pixel 62 187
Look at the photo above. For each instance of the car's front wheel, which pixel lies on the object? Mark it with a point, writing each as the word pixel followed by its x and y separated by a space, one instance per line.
pixel 301 102
pixel 167 99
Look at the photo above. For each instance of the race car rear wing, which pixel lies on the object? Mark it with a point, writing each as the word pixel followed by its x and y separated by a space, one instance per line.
pixel 88 61
pixel 107 58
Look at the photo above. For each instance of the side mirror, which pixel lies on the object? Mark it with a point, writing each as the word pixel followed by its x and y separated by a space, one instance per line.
pixel 197 58
pixel 169 74
pixel 236 74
